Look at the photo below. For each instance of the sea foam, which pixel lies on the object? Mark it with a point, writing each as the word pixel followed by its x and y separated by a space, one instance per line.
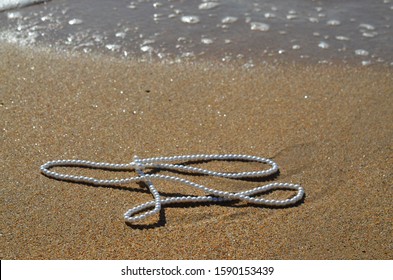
pixel 12 4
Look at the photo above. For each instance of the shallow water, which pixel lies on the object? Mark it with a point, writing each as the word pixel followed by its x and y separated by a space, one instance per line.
pixel 354 31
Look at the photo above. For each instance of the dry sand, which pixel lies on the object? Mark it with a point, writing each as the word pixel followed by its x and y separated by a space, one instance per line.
pixel 329 128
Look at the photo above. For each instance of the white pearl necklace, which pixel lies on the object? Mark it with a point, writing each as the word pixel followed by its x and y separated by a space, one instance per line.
pixel 139 165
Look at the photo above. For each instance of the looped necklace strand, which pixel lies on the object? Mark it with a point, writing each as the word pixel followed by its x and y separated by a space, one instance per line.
pixel 212 195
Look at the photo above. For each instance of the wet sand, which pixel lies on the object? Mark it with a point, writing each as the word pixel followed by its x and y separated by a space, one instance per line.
pixel 328 127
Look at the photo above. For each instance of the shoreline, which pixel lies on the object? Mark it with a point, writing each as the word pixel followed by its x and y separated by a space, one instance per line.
pixel 327 126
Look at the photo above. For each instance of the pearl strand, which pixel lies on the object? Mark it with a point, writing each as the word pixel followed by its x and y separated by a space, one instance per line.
pixel 213 195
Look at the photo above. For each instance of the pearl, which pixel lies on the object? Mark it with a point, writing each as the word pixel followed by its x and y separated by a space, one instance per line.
pixel 158 163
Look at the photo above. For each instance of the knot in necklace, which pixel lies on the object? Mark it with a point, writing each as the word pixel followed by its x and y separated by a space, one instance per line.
pixel 212 195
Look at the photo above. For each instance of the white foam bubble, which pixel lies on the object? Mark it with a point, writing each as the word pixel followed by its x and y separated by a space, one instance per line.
pixel 147 48
pixel 361 52
pixel 99 38
pixel 371 34
pixel 229 19
pixel 75 21
pixel 148 41
pixel 250 64
pixel 342 38
pixel 259 26
pixel 157 17
pixel 190 19
pixel 120 34
pixel 323 61
pixel 269 15
pixel 333 22
pixel 208 5
pixel 290 17
pixel 157 5
pixel 187 54
pixel 207 41
pixel 14 15
pixel 366 26
pixel 112 47
pixel 22 38
pixel 46 18
pixel 323 45
pixel 296 47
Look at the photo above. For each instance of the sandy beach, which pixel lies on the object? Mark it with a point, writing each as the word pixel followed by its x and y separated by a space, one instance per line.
pixel 328 127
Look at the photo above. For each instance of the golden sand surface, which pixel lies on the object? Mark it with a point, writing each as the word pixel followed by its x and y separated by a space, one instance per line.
pixel 328 127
